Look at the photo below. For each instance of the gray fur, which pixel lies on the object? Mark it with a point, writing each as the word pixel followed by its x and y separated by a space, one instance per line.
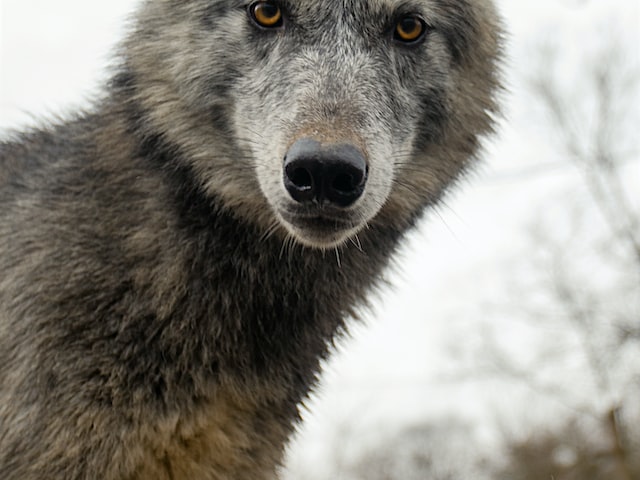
pixel 161 316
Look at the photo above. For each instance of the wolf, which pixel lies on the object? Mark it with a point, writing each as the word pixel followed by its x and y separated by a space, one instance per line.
pixel 178 258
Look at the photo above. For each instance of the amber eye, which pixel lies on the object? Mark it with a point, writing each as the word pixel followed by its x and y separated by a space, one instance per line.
pixel 410 29
pixel 266 14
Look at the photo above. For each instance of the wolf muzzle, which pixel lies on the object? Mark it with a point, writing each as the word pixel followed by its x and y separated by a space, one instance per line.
pixel 321 174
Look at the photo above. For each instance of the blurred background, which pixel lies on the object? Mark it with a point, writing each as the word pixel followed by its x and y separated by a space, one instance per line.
pixel 507 345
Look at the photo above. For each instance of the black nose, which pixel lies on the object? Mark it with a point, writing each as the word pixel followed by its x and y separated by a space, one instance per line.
pixel 333 173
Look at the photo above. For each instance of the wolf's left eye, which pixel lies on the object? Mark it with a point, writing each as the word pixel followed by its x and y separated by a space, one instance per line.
pixel 266 14
pixel 410 29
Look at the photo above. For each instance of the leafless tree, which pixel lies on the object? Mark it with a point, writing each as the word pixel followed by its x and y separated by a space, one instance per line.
pixel 445 449
pixel 568 451
pixel 583 261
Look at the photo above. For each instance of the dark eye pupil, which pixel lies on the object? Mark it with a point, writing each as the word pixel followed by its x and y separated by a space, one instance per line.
pixel 409 25
pixel 269 10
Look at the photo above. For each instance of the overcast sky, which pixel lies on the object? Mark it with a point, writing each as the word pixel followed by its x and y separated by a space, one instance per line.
pixel 54 56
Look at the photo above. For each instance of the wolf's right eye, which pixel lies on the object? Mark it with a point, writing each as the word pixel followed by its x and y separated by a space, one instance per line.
pixel 266 14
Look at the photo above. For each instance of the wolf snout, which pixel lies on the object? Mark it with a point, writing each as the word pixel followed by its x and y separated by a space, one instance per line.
pixel 319 173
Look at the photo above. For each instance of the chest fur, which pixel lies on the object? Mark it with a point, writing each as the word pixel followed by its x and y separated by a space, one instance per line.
pixel 231 437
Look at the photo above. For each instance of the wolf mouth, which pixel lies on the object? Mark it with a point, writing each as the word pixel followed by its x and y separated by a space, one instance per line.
pixel 319 228
pixel 318 220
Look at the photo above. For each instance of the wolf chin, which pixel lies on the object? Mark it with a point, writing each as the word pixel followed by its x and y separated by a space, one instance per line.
pixel 178 259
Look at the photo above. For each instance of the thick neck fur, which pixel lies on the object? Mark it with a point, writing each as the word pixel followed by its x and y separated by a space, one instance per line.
pixel 171 315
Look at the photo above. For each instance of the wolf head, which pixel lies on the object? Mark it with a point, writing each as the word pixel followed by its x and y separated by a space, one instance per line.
pixel 316 118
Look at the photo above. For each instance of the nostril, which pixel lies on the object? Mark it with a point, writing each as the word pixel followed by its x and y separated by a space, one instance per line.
pixel 343 183
pixel 347 182
pixel 301 178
